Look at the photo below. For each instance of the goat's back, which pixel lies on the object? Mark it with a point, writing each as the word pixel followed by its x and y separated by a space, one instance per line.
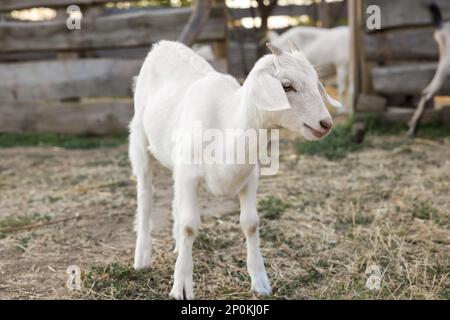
pixel 169 66
pixel 169 72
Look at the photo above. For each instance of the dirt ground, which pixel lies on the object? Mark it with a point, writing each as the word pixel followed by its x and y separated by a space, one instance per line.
pixel 322 224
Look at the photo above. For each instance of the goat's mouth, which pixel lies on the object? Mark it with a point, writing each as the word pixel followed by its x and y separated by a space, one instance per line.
pixel 315 132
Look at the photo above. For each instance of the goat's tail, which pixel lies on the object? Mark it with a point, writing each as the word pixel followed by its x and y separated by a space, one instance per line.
pixel 436 14
pixel 147 219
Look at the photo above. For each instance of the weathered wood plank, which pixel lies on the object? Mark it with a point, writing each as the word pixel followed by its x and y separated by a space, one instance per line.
pixel 27 56
pixel 123 53
pixel 99 117
pixel 7 5
pixel 72 78
pixel 402 115
pixel 405 79
pixel 119 30
pixel 116 53
pixel 290 10
pixel 65 79
pixel 409 44
pixel 406 13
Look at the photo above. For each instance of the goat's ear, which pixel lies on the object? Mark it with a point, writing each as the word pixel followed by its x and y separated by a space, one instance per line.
pixel 329 101
pixel 267 93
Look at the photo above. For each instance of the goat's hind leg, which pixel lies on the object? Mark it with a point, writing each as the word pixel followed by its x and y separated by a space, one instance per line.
pixel 142 169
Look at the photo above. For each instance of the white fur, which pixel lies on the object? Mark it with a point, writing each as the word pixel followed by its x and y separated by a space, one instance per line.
pixel 323 47
pixel 176 88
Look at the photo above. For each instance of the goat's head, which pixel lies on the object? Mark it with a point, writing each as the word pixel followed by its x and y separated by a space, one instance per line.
pixel 285 86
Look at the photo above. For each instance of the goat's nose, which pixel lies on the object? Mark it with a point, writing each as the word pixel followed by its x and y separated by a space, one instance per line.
pixel 326 124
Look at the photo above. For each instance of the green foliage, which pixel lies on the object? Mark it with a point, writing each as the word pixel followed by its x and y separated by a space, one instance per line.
pixel 434 131
pixel 8 140
pixel 377 126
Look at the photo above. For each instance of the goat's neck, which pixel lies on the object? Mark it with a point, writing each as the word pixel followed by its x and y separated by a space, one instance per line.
pixel 247 115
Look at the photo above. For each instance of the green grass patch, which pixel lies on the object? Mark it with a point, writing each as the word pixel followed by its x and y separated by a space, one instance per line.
pixel 376 126
pixel 9 140
pixel 334 147
pixel 209 241
pixel 436 131
pixel 272 208
pixel 425 211
pixel 339 143
pixel 21 221
pixel 117 281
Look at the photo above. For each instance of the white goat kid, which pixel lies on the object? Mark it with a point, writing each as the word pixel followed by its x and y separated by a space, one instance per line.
pixel 324 48
pixel 177 88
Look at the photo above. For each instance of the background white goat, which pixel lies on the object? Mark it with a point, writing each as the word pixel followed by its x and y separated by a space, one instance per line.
pixel 177 88
pixel 442 37
pixel 325 48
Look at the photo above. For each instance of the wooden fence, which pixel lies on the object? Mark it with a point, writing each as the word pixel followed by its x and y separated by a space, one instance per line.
pixel 79 81
pixel 394 64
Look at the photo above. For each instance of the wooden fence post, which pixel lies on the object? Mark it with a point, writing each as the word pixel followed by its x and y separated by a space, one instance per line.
pixel 355 29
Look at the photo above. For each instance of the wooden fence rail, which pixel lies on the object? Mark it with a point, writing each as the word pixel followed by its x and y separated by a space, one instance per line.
pixel 409 79
pixel 115 31
pixel 403 45
pixel 91 117
pixel 66 79
pixel 8 5
pixel 405 13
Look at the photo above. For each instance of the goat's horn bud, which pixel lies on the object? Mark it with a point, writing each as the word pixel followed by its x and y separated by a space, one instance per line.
pixel 293 46
pixel 274 49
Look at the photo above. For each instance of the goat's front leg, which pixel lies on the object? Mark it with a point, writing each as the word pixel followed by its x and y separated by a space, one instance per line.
pixel 187 220
pixel 249 223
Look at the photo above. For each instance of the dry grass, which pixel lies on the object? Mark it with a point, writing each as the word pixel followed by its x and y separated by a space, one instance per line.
pixel 323 222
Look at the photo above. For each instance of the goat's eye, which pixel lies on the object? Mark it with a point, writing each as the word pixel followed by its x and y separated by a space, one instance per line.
pixel 289 88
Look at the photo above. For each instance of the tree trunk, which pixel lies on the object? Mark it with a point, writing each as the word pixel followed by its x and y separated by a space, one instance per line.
pixel 196 22
pixel 264 12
